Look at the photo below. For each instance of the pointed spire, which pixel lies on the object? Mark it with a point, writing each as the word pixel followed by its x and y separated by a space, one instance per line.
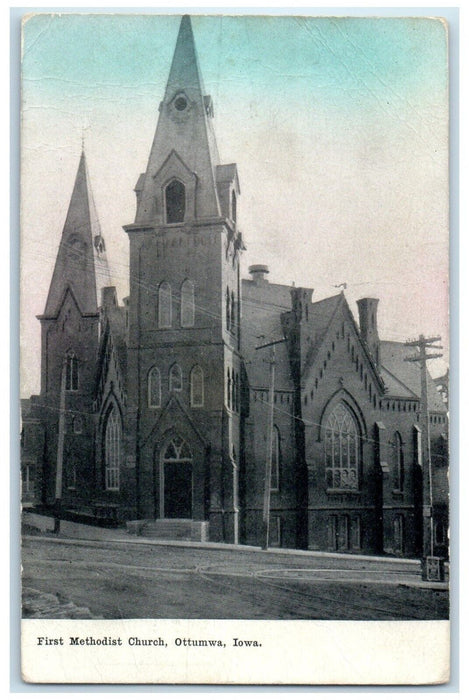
pixel 185 128
pixel 81 263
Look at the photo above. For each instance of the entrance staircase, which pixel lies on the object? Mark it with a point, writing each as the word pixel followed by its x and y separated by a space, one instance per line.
pixel 170 529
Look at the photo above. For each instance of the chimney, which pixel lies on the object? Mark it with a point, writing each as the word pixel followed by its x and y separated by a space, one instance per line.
pixel 258 273
pixel 367 312
pixel 108 297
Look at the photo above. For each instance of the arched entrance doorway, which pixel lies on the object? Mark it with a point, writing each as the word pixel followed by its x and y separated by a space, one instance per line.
pixel 176 480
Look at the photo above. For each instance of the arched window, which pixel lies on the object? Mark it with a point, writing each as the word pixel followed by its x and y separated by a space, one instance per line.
pixel 154 388
pixel 71 372
pixel 175 202
pixel 228 388
pixel 112 450
pixel 175 378
pixel 233 312
pixel 233 391
pixel 187 304
pixel 275 471
pixel 439 531
pixel 164 305
pixel 78 425
pixel 233 206
pixel 228 309
pixel 398 462
pixel 197 386
pixel 342 448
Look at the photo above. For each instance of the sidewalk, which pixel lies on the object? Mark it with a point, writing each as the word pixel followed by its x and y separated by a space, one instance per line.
pixel 78 532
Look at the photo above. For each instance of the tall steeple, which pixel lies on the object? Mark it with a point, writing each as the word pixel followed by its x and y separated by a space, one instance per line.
pixel 184 138
pixel 81 263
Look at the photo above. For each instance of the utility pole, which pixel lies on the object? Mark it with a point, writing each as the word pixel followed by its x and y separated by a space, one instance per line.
pixel 268 458
pixel 433 567
pixel 60 448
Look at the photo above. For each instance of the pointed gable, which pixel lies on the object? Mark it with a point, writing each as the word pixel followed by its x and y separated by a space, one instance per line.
pixel 81 265
pixel 184 125
pixel 328 319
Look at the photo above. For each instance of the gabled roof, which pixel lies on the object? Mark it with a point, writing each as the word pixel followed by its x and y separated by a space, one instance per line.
pixel 402 378
pixel 114 334
pixel 81 263
pixel 228 173
pixel 116 317
pixel 320 318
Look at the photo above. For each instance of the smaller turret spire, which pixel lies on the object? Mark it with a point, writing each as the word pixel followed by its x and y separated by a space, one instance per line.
pixel 81 263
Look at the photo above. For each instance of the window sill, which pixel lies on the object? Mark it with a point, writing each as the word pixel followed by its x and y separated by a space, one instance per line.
pixel 342 490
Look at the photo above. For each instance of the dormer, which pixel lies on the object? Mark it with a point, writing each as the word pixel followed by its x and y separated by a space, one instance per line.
pixel 228 191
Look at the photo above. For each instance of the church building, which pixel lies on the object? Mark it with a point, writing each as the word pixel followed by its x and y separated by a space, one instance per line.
pixel 162 411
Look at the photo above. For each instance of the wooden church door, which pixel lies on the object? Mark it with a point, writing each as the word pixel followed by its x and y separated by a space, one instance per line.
pixel 177 480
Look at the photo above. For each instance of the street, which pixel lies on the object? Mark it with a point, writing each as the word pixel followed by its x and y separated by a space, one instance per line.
pixel 65 578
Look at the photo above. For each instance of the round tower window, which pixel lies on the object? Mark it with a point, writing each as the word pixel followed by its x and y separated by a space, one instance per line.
pixel 180 103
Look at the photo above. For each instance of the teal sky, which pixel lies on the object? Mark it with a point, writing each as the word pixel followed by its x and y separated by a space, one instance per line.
pixel 339 127
pixel 348 62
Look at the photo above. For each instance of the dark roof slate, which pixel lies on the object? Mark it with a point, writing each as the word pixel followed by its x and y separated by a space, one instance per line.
pixel 402 378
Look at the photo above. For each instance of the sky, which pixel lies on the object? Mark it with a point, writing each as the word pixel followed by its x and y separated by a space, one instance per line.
pixel 338 127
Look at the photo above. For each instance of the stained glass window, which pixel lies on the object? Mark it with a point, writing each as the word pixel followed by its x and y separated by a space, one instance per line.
pixel 175 378
pixel 112 450
pixel 398 462
pixel 187 304
pixel 154 388
pixel 164 305
pixel 197 386
pixel 342 449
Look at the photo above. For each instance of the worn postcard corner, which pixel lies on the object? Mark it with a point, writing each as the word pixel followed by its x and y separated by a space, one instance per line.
pixel 234 349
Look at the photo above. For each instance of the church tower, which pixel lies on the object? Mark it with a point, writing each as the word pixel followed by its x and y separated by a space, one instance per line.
pixel 69 346
pixel 184 315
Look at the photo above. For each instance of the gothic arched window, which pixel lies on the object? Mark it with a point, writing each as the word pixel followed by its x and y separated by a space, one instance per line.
pixel 342 448
pixel 71 372
pixel 154 388
pixel 175 378
pixel 233 312
pixel 228 309
pixel 233 206
pixel 187 304
pixel 112 450
pixel 197 386
pixel 175 202
pixel 233 391
pixel 164 305
pixel 228 388
pixel 398 462
pixel 275 470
